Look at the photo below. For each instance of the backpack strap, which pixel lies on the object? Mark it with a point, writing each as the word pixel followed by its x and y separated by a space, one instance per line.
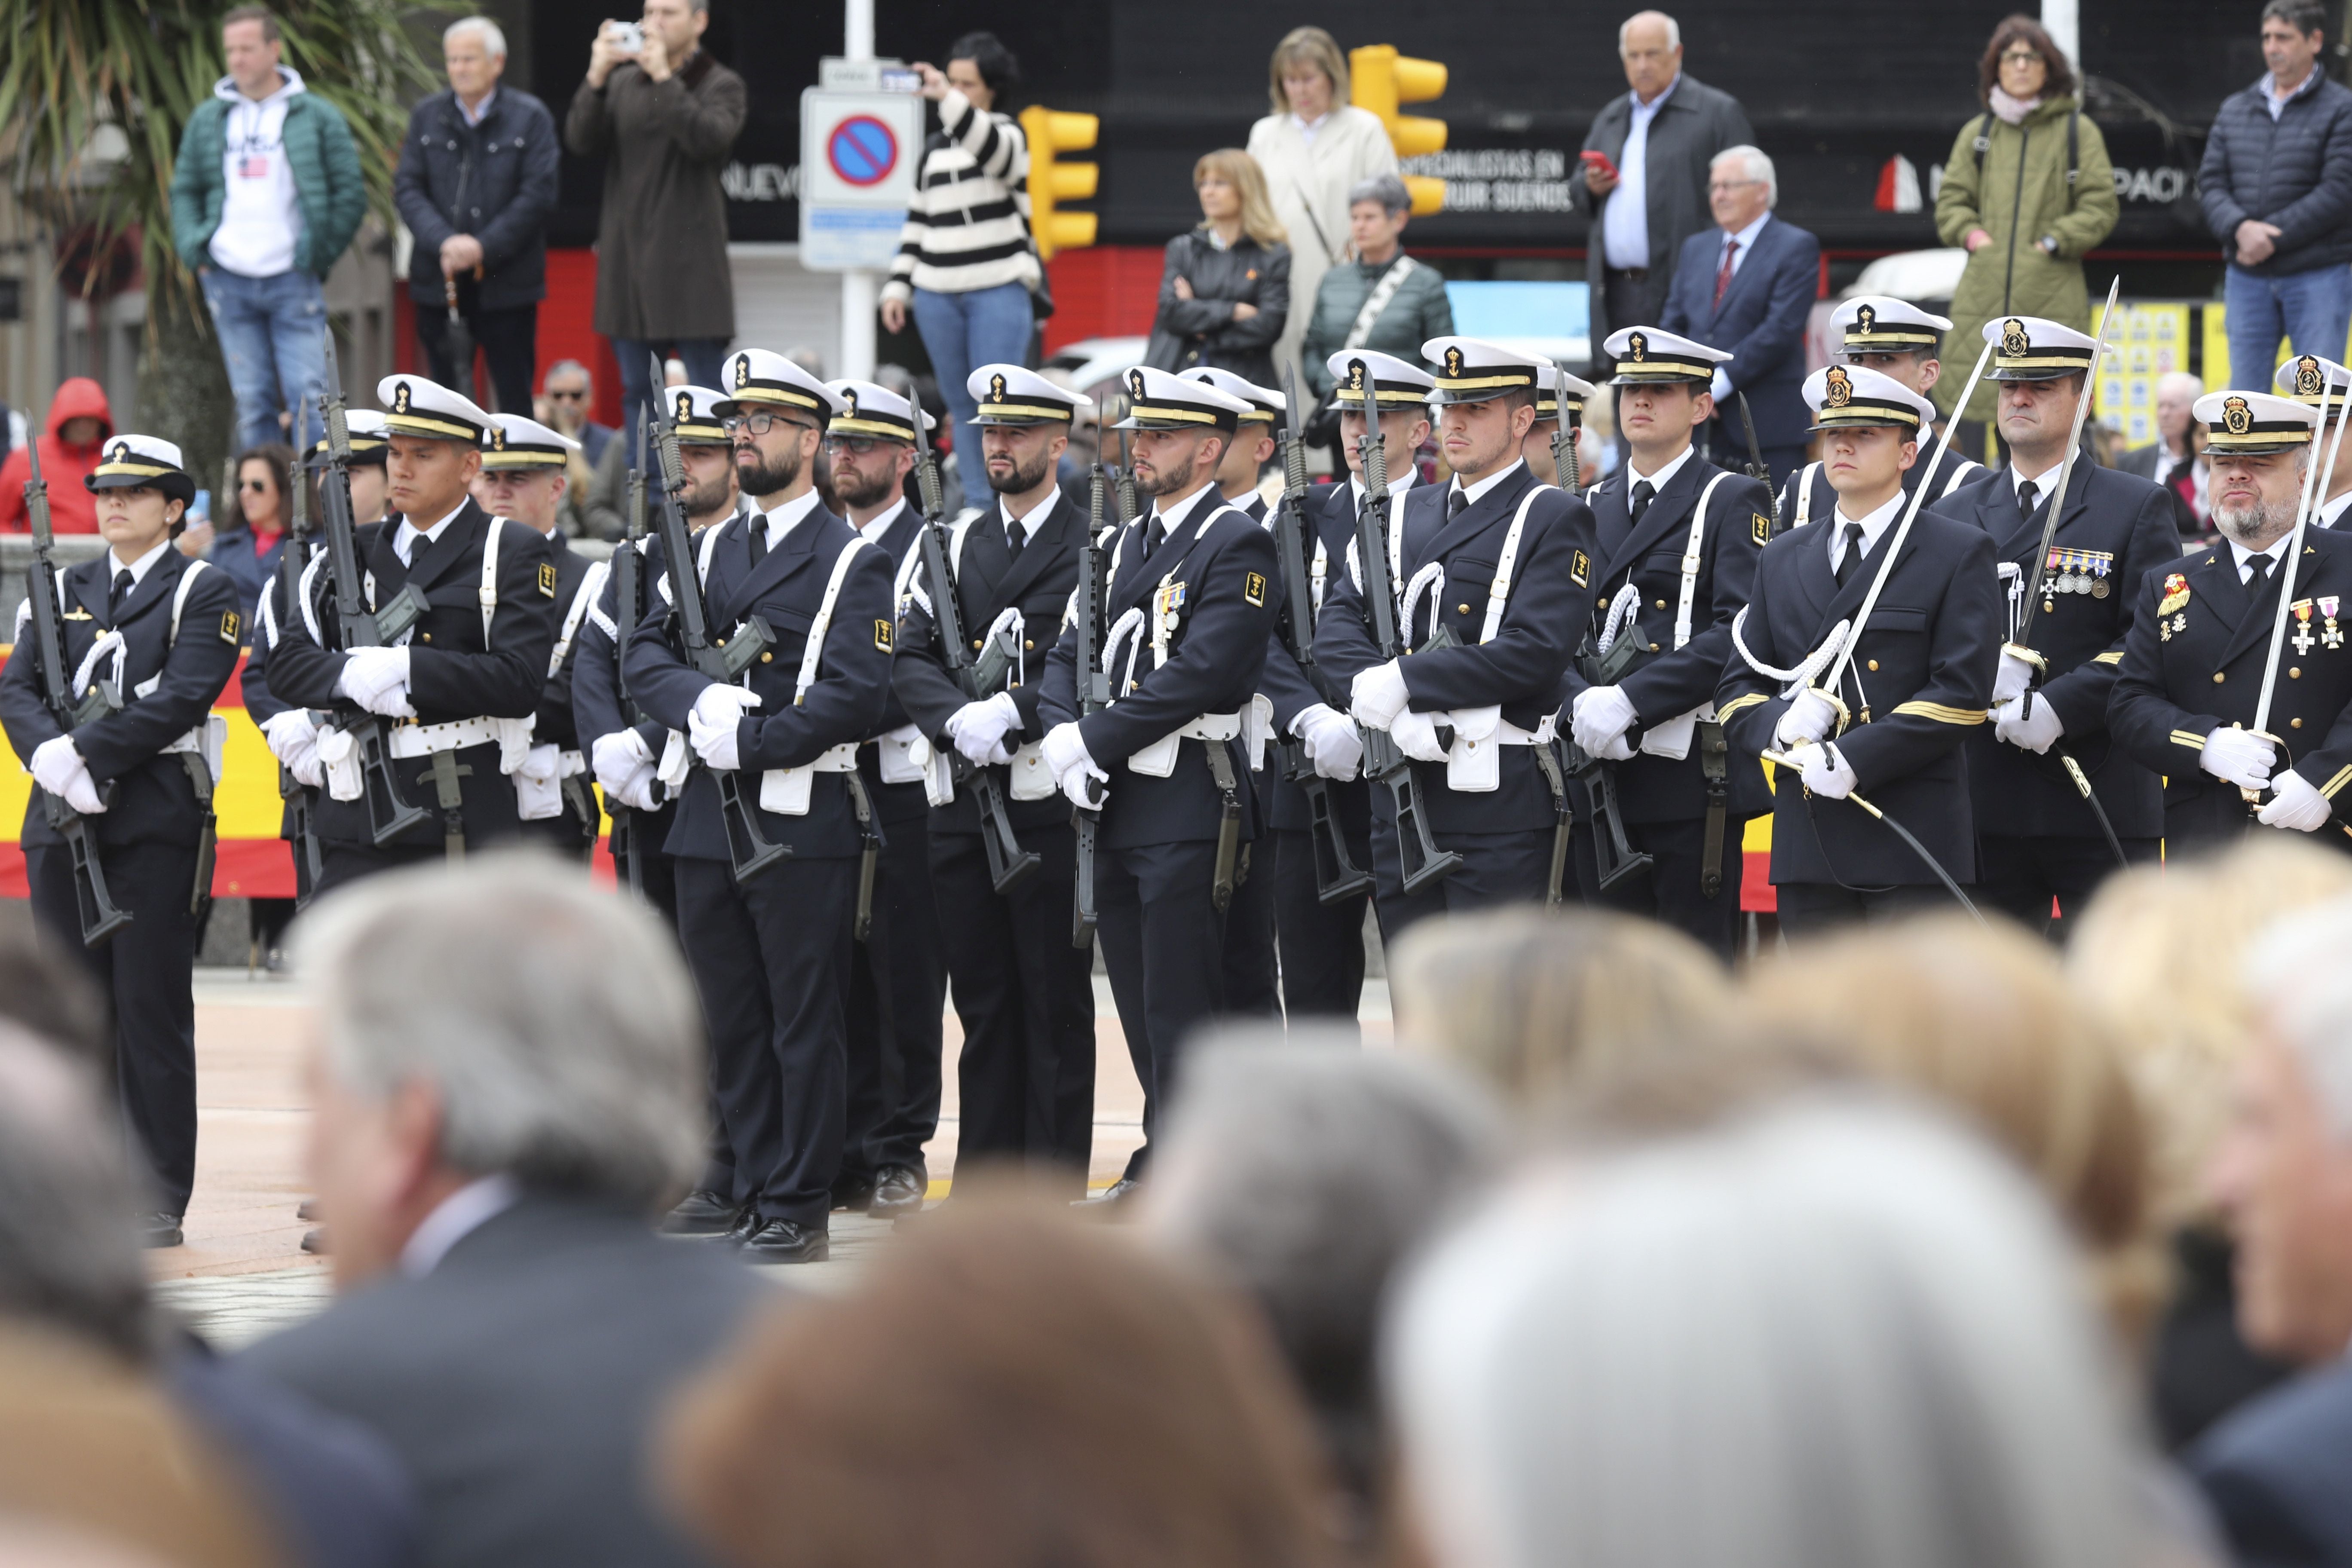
pixel 1982 140
pixel 2073 149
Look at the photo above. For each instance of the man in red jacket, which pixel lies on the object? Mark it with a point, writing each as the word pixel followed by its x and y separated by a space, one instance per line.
pixel 79 423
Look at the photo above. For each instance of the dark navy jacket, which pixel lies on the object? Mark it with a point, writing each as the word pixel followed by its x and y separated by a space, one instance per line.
pixel 785 588
pixel 1916 687
pixel 2115 528
pixel 1951 472
pixel 2294 171
pixel 904 803
pixel 1761 323
pixel 154 801
pixel 988 581
pixel 233 553
pixel 1520 669
pixel 496 181
pixel 2197 666
pixel 1223 563
pixel 1331 517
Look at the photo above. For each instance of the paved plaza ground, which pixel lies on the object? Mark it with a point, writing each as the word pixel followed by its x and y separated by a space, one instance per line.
pixel 243 1272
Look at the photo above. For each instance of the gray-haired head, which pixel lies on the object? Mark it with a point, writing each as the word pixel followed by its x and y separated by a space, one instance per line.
pixel 69 1257
pixel 1384 188
pixel 1754 164
pixel 494 41
pixel 1830 1334
pixel 1305 1170
pixel 1674 28
pixel 2308 994
pixel 553 1021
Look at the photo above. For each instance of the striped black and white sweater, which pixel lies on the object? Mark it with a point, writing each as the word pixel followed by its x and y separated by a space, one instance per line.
pixel 968 225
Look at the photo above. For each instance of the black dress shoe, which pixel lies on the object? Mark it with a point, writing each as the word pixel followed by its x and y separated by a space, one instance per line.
pixel 701 1213
pixel 1112 1196
pixel 308 1211
pixel 156 1230
pixel 897 1190
pixel 746 1223
pixel 787 1241
pixel 855 1193
pixel 315 1241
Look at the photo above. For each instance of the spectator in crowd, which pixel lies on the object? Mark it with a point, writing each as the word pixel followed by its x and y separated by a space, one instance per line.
pixel 2176 459
pixel 1380 298
pixel 1304 1171
pixel 1646 193
pixel 1982 1020
pixel 1749 290
pixel 476 182
pixel 663 118
pixel 499 1110
pixel 2027 190
pixel 1225 288
pixel 2156 954
pixel 71 1266
pixel 267 195
pixel 2274 1470
pixel 967 266
pixel 78 424
pixel 254 534
pixel 1084 1405
pixel 1542 1004
pixel 1315 152
pixel 569 393
pixel 1814 1331
pixel 2276 183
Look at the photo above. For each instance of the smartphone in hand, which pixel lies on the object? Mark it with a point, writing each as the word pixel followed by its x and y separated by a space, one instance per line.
pixel 1592 158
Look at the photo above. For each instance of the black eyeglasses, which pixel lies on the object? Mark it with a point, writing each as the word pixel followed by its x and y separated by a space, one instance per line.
pixel 856 446
pixel 571 395
pixel 760 421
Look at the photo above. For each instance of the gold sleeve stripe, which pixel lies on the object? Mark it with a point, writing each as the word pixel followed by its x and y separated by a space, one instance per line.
pixel 1943 714
pixel 1736 703
pixel 2188 738
pixel 2342 777
pixel 2113 656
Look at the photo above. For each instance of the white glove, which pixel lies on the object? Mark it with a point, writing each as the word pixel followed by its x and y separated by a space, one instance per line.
pixel 1378 695
pixel 1826 772
pixel 1067 757
pixel 723 705
pixel 1332 745
pixel 615 758
pixel 978 729
pixel 293 738
pixel 1599 720
pixel 2239 756
pixel 54 763
pixel 2011 680
pixel 377 679
pixel 720 745
pixel 2297 805
pixel 1808 718
pixel 2037 731
pixel 637 791
pixel 81 794
pixel 1416 736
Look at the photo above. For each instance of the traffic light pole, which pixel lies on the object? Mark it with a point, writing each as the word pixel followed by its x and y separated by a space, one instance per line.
pixel 861 288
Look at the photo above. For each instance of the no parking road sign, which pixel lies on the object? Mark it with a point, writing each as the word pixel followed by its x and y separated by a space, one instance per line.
pixel 859 149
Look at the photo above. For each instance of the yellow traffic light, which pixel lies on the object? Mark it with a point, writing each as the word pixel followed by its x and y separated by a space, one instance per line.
pixel 1380 80
pixel 1051 132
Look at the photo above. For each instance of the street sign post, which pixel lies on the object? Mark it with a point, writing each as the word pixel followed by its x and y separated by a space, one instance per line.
pixel 859 152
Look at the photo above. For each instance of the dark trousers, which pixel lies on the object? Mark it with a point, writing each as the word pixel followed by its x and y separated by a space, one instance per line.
pixel 1809 907
pixel 2019 876
pixel 568 834
pixel 343 862
pixel 1250 987
pixel 144 970
pixel 706 360
pixel 1628 300
pixel 1163 943
pixel 1669 889
pixel 1025 997
pixel 1496 868
pixel 509 340
pixel 769 960
pixel 898 986
pixel 1322 944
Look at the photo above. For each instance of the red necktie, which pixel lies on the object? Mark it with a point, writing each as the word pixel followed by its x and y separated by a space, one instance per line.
pixel 1723 273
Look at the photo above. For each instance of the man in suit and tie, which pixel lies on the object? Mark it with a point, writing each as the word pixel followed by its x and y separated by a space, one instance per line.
pixel 2174 459
pixel 1024 994
pixel 505 1086
pixel 1746 288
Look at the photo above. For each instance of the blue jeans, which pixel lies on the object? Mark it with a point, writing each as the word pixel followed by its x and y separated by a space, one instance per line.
pixel 963 332
pixel 705 363
pixel 2313 309
pixel 272 333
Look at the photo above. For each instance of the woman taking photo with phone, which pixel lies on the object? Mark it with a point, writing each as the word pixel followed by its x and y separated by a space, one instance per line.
pixel 1224 293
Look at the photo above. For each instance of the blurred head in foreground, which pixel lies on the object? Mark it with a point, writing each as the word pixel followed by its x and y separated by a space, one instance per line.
pixel 1004 1388
pixel 1828 1332
pixel 1304 1173
pixel 475 1021
pixel 1981 1019
pixel 1539 1005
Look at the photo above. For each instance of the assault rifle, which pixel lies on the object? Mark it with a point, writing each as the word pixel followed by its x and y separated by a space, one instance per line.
pixel 1093 685
pixel 628 591
pixel 291 561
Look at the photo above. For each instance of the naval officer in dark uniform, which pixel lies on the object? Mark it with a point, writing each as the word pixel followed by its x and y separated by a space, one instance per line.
pixel 1898 340
pixel 1024 994
pixel 461 685
pixel 1491 558
pixel 1677 538
pixel 2038 838
pixel 2185 703
pixel 1884 713
pixel 1192 600
pixel 165 630
pixel 770 947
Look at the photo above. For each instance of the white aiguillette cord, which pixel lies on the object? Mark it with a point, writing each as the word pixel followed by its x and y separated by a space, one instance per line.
pixel 2287 575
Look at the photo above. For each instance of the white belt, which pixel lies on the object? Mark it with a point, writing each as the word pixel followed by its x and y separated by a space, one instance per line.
pixel 1158 759
pixel 786 791
pixel 424 739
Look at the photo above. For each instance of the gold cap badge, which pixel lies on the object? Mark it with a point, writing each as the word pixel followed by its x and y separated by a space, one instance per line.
pixel 1637 346
pixel 996 387
pixel 1454 361
pixel 685 405
pixel 2308 380
pixel 743 370
pixel 400 397
pixel 2236 418
pixel 2013 342
pixel 1866 319
pixel 1837 388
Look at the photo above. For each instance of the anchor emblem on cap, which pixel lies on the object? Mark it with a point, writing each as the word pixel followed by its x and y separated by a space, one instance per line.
pixel 1135 381
pixel 1837 388
pixel 400 397
pixel 849 396
pixel 121 452
pixel 497 437
pixel 1356 376
pixel 1454 361
pixel 2308 382
pixel 996 387
pixel 2013 342
pixel 2236 418
pixel 1867 319
pixel 685 405
pixel 1637 346
pixel 743 370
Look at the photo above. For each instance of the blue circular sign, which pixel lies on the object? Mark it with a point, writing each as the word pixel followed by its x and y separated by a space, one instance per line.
pixel 862 149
